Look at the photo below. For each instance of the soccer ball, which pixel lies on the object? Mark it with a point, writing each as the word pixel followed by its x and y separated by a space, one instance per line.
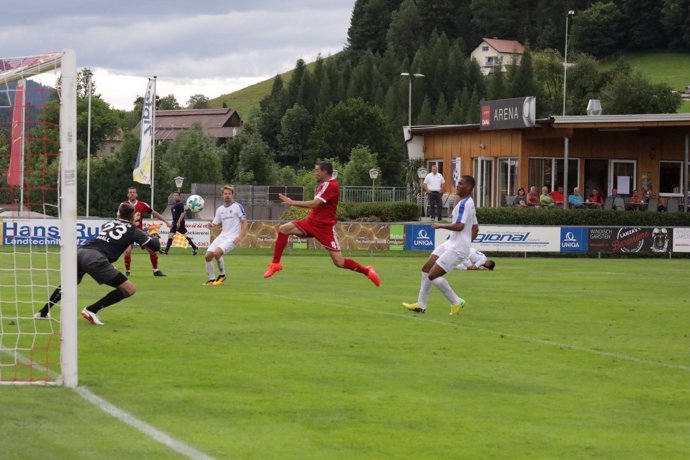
pixel 195 203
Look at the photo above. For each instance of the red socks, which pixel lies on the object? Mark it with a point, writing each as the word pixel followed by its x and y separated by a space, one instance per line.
pixel 128 261
pixel 279 247
pixel 352 265
pixel 154 260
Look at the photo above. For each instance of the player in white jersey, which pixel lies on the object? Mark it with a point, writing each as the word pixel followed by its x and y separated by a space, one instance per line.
pixel 451 253
pixel 477 260
pixel 231 219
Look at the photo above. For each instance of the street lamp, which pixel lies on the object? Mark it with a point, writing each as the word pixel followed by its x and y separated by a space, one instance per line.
pixel 178 182
pixel 373 175
pixel 409 94
pixel 570 14
pixel 421 174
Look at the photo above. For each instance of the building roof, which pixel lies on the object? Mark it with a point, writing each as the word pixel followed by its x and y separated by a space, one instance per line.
pixel 505 46
pixel 650 119
pixel 580 121
pixel 219 123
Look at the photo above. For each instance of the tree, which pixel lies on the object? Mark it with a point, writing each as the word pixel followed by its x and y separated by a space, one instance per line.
pixel 494 18
pixel 439 51
pixel 256 165
pixel 675 17
pixel 465 105
pixel 630 92
pixel 351 123
pixel 83 78
pixel 584 83
pixel 167 103
pixel 230 158
pixel 643 23
pixel 441 114
pixel 104 124
pixel 271 111
pixel 295 82
pixel 548 73
pixel 523 83
pixel 113 174
pixel 549 24
pixel 198 101
pixel 363 77
pixel 455 117
pixel 404 35
pixel 195 156
pixel 296 125
pixel 441 15
pixel 356 171
pixel 473 107
pixel 474 79
pixel 497 86
pixel 368 26
pixel 598 30
pixel 425 116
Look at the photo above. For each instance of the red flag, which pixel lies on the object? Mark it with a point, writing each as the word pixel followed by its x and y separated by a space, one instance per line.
pixel 14 173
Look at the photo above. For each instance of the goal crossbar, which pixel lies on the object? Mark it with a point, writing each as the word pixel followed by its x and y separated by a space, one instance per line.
pixel 16 68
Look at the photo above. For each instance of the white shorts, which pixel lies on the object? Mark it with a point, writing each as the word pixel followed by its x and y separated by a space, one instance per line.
pixel 449 256
pixel 226 242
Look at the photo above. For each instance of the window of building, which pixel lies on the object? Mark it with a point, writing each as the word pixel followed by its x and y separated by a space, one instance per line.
pixel 507 177
pixel 549 172
pixel 670 176
pixel 484 177
pixel 485 48
pixel 623 175
pixel 438 163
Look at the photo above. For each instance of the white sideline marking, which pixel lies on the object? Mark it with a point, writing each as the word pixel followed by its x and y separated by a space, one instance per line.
pixel 140 425
pixel 128 419
pixel 527 338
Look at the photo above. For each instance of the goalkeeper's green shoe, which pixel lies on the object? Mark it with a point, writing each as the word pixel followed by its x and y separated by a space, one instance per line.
pixel 456 309
pixel 414 307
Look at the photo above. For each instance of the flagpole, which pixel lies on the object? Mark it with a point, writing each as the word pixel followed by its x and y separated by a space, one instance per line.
pixel 88 151
pixel 153 140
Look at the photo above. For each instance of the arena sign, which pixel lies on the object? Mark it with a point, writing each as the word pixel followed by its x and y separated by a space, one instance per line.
pixel 513 113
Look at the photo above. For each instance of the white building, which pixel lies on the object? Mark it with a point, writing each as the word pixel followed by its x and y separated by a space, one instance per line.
pixel 493 54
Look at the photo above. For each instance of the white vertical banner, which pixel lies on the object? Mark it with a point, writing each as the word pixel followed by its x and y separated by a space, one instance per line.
pixel 143 168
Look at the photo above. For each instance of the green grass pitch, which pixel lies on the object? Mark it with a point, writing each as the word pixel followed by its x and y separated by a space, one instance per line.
pixel 551 358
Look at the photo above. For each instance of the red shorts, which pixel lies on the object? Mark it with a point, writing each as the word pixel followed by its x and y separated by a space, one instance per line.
pixel 324 234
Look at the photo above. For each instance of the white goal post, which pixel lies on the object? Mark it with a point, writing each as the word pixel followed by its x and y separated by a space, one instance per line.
pixel 27 271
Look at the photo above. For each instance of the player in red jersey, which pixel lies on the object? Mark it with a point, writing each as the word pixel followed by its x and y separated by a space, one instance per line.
pixel 142 208
pixel 320 224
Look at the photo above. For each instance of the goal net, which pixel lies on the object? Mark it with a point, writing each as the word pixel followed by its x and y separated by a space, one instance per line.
pixel 38 171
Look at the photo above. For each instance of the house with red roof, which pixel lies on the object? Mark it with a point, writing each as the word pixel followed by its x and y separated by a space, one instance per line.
pixel 494 54
pixel 221 124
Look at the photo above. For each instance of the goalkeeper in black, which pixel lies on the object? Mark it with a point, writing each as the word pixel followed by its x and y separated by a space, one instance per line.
pixel 178 225
pixel 96 258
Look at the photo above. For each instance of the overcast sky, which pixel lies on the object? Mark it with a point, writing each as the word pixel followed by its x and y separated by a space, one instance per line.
pixel 209 47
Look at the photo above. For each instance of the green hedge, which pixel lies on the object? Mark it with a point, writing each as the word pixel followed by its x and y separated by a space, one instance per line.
pixel 404 211
pixel 588 217
pixel 394 211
